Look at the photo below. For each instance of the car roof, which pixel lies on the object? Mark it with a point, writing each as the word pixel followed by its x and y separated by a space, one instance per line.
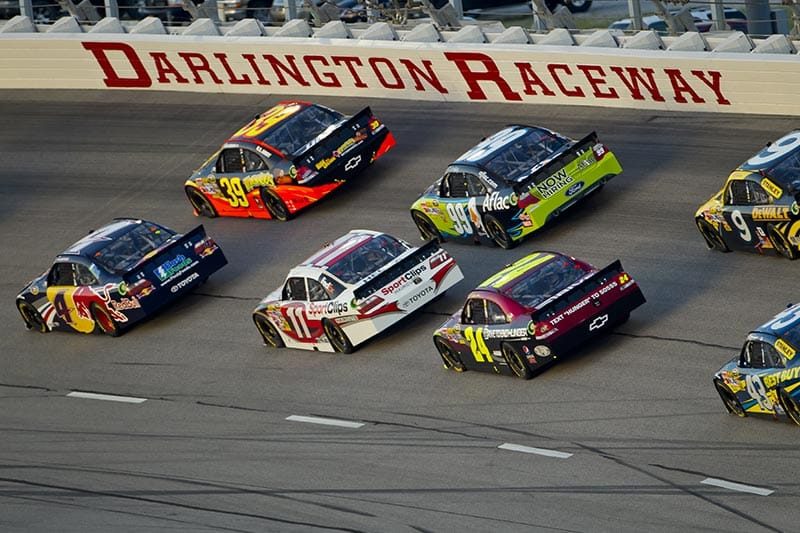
pixel 268 120
pixel 333 251
pixel 484 150
pixel 518 270
pixel 771 155
pixel 97 239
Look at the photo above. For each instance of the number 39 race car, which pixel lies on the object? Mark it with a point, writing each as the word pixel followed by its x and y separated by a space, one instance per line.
pixel 286 159
pixel 529 314
pixel 512 184
pixel 757 209
pixel 765 377
pixel 117 276
pixel 353 289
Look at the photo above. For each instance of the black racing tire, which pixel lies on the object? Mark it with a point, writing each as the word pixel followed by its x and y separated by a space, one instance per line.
pixel 781 243
pixel 498 233
pixel 104 321
pixel 269 333
pixel 790 405
pixel 337 337
pixel 516 362
pixel 32 317
pixel 200 203
pixel 427 229
pixel 578 6
pixel 711 235
pixel 450 358
pixel 276 207
pixel 729 399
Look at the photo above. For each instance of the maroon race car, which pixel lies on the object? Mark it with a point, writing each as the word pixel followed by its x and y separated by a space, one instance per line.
pixel 523 318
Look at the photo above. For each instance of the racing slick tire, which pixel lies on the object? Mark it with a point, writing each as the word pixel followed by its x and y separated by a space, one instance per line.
pixel 711 236
pixel 32 317
pixel 450 359
pixel 790 405
pixel 276 207
pixel 104 321
pixel 337 337
pixel 200 203
pixel 498 233
pixel 781 243
pixel 516 362
pixel 730 400
pixel 427 229
pixel 268 332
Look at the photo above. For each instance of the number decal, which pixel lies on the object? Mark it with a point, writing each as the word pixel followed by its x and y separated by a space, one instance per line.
pixel 787 317
pixel 496 141
pixel 477 345
pixel 298 319
pixel 458 215
pixel 234 192
pixel 776 150
pixel 267 120
pixel 62 308
pixel 757 391
pixel 741 224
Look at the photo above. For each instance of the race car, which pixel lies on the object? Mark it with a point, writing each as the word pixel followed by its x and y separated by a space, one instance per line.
pixel 764 379
pixel 116 276
pixel 351 290
pixel 523 318
pixel 511 184
pixel 757 209
pixel 286 159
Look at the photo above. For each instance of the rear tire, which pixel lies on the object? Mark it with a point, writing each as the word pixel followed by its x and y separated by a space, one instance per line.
pixel 337 337
pixel 427 229
pixel 200 203
pixel 268 332
pixel 516 362
pixel 790 405
pixel 711 236
pixel 781 243
pixel 276 207
pixel 730 400
pixel 498 233
pixel 104 321
pixel 450 357
pixel 578 6
pixel 32 317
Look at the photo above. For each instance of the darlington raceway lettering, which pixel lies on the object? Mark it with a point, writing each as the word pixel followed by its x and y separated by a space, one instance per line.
pixel 478 72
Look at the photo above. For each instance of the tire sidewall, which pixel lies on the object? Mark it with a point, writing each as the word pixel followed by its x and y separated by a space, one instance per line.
pixel 781 243
pixel 276 207
pixel 497 233
pixel 517 363
pixel 271 336
pixel 337 337
pixel 450 357
pixel 114 331
pixel 729 399
pixel 38 324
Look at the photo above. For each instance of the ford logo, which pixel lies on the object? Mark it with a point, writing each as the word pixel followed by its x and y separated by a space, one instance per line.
pixel 574 188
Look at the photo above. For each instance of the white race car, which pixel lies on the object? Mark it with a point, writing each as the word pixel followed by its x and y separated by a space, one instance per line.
pixel 351 290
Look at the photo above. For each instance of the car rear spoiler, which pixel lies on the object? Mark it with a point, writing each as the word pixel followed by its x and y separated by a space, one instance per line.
pixel 558 162
pixel 405 264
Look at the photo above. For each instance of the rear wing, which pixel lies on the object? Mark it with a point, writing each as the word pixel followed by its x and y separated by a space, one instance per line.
pixel 578 293
pixel 559 162
pixel 408 262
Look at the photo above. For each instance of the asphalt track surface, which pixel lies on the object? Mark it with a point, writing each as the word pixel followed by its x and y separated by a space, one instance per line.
pixel 211 448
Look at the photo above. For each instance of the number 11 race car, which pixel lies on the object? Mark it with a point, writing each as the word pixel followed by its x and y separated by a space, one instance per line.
pixel 117 276
pixel 286 159
pixel 353 289
pixel 529 314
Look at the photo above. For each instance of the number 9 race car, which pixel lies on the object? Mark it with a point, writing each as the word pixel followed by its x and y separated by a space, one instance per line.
pixel 522 319
pixel 351 290
pixel 118 275
pixel 286 159
pixel 757 209
pixel 512 184
pixel 764 378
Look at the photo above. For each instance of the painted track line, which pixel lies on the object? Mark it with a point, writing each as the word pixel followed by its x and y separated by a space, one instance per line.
pixel 537 451
pixel 106 397
pixel 739 487
pixel 325 421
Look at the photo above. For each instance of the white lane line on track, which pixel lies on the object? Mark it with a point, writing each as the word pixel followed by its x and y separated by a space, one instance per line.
pixel 537 451
pixel 106 397
pixel 739 487
pixel 325 421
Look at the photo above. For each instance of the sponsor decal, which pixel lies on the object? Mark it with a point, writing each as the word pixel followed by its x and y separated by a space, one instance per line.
pixel 403 280
pixel 184 282
pixel 554 183
pixel 418 297
pixel 499 202
pixel 593 298
pixel 125 304
pixel 789 374
pixel 598 322
pixel 542 350
pixel 485 177
pixel 771 213
pixel 327 308
pixel 795 209
pixel 353 163
pixel 771 188
pixel 325 163
pixel 259 180
pixel 783 347
pixel 574 188
pixel 506 333
pixel 172 267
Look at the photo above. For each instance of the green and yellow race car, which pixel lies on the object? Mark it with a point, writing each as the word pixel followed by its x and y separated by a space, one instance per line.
pixel 511 184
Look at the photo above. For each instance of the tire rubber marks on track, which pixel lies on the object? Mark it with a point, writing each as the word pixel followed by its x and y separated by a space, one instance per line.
pixel 106 397
pixel 536 451
pixel 325 421
pixel 739 487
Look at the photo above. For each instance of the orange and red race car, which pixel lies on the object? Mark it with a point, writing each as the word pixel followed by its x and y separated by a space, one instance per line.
pixel 286 159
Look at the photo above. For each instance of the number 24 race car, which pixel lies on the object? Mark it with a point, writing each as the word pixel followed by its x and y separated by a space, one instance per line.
pixel 529 314
pixel 286 159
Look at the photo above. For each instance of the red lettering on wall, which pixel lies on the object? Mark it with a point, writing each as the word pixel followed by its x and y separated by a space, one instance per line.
pixel 327 79
pixel 198 63
pixel 530 78
pixel 112 79
pixel 418 75
pixel 397 83
pixel 164 68
pixel 351 62
pixel 290 69
pixel 680 86
pixel 251 59
pixel 596 77
pixel 575 91
pixel 232 79
pixel 490 73
pixel 634 79
pixel 713 84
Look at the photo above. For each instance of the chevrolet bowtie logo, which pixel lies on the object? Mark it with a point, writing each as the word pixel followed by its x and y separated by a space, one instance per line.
pixel 353 163
pixel 598 322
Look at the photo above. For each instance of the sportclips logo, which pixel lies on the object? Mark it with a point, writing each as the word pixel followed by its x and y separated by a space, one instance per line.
pixel 403 280
pixel 330 308
pixel 172 267
pixel 184 282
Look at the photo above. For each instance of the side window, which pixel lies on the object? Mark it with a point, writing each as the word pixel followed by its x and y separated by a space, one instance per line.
pixel 83 276
pixel 475 185
pixel 253 162
pixel 757 194
pixel 295 289
pixel 61 274
pixel 316 292
pixel 758 354
pixel 495 314
pixel 230 161
pixel 474 312
pixel 771 357
pixel 331 286
pixel 457 185
pixel 737 193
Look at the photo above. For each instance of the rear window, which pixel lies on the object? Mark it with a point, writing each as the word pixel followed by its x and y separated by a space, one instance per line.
pixel 515 160
pixel 291 134
pixel 367 258
pixel 119 255
pixel 545 282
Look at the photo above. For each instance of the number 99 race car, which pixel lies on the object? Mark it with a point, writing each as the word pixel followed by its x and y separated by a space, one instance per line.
pixel 757 209
pixel 353 289
pixel 764 379
pixel 117 276
pixel 512 184
pixel 286 159
pixel 529 314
